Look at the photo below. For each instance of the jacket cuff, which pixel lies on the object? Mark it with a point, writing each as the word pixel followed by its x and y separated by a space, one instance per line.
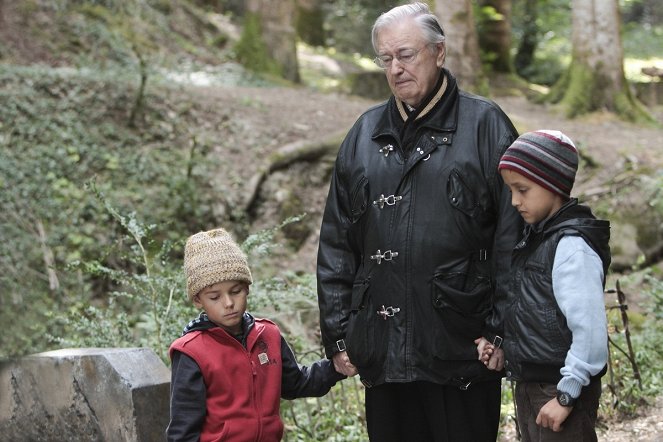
pixel 570 386
pixel 493 338
pixel 336 347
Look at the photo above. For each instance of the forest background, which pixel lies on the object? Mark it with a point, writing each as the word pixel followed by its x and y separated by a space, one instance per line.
pixel 127 125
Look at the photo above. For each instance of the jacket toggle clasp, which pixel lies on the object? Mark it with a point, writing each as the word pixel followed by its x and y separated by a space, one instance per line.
pixel 388 255
pixel 388 312
pixel 420 151
pixel 386 150
pixel 389 200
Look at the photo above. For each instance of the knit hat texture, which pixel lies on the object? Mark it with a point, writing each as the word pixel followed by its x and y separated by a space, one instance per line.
pixel 212 257
pixel 547 157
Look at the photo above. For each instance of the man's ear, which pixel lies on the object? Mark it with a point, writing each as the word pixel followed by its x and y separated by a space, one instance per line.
pixel 196 301
pixel 441 54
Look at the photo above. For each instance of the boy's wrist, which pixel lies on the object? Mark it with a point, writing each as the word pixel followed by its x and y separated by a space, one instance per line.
pixel 565 399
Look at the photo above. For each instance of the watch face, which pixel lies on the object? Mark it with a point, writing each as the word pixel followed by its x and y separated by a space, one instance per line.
pixel 564 399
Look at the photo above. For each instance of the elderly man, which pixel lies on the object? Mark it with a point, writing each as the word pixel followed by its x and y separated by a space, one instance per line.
pixel 416 234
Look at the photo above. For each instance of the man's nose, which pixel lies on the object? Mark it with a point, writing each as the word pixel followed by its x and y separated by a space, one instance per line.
pixel 396 66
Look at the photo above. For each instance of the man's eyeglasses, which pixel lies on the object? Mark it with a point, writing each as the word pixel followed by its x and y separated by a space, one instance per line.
pixel 404 56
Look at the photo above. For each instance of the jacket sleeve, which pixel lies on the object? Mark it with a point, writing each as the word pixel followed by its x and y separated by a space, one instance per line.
pixel 302 381
pixel 337 259
pixel 509 228
pixel 187 400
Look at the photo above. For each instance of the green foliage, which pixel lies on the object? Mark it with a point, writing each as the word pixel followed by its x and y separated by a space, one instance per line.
pixel 147 307
pixel 336 417
pixel 49 149
pixel 553 45
pixel 625 395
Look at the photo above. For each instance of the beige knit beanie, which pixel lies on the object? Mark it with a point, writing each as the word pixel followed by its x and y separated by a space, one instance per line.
pixel 211 257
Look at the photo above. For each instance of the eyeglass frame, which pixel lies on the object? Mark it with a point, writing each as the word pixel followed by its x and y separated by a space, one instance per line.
pixel 379 62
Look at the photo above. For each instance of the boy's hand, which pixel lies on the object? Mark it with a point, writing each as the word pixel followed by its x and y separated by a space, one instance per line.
pixel 343 365
pixel 552 415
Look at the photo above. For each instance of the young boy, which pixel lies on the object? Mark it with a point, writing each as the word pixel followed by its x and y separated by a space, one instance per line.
pixel 230 370
pixel 555 334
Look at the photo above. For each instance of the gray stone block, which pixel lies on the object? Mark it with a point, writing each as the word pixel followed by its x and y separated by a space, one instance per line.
pixel 90 394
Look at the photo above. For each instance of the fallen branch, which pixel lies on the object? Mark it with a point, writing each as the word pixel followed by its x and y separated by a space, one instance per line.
pixel 302 150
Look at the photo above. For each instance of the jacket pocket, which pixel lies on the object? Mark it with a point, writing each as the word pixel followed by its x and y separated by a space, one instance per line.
pixel 472 300
pixel 359 199
pixel 460 313
pixel 461 195
pixel 364 335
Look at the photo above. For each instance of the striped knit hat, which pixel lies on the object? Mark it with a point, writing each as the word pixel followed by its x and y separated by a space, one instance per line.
pixel 212 257
pixel 547 157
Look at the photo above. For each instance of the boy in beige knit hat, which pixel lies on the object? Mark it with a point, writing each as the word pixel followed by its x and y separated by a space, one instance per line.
pixel 229 369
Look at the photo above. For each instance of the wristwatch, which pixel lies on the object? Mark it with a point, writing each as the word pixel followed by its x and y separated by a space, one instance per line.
pixel 565 399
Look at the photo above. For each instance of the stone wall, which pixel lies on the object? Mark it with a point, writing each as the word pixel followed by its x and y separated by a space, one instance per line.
pixel 92 394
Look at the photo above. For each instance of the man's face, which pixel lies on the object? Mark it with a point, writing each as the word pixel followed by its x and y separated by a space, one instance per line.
pixel 409 82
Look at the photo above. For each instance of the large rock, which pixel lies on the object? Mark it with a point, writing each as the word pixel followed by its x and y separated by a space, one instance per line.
pixel 93 394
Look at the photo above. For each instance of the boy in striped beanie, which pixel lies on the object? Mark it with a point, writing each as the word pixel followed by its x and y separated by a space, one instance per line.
pixel 555 332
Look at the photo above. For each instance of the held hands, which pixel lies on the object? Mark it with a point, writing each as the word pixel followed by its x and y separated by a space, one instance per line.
pixel 343 365
pixel 552 415
pixel 491 356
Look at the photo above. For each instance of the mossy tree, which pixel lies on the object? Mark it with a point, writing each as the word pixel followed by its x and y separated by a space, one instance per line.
pixel 268 41
pixel 495 34
pixel 595 78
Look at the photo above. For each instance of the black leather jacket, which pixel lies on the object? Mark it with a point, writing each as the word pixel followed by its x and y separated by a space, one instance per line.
pixel 411 240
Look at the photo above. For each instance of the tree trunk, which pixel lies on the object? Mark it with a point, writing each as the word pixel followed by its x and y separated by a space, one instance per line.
pixel 278 33
pixel 530 38
pixel 463 60
pixel 595 79
pixel 495 37
pixel 310 22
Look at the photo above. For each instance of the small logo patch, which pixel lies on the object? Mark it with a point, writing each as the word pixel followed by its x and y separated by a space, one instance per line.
pixel 263 358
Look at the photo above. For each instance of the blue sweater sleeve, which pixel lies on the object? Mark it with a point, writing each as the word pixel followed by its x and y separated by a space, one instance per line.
pixel 302 381
pixel 187 400
pixel 578 287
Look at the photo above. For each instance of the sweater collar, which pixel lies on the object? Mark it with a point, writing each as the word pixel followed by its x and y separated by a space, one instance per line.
pixel 202 322
pixel 440 111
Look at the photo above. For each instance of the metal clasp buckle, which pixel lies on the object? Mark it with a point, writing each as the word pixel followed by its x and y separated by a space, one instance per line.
pixel 388 312
pixel 386 150
pixel 340 345
pixel 390 200
pixel 387 256
pixel 497 341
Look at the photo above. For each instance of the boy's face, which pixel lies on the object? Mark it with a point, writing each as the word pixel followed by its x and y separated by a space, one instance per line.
pixel 534 203
pixel 224 303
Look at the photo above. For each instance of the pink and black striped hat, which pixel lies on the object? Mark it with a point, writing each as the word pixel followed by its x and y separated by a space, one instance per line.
pixel 547 157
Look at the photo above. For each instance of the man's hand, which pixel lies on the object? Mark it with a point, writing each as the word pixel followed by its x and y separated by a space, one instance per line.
pixel 491 356
pixel 552 415
pixel 343 365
